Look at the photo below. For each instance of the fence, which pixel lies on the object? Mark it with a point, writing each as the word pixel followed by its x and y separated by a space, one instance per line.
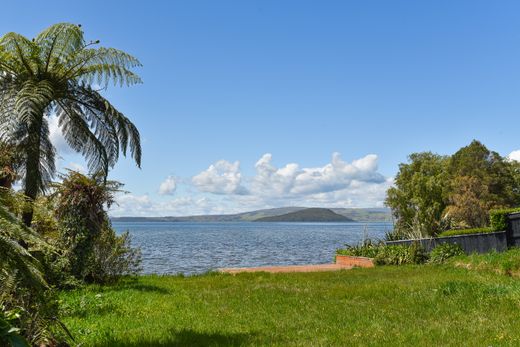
pixel 471 243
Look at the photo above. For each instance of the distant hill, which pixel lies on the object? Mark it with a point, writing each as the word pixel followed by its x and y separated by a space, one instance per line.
pixel 365 214
pixel 356 214
pixel 307 215
pixel 238 217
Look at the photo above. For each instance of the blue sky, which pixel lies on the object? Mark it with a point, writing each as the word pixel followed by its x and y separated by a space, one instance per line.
pixel 244 103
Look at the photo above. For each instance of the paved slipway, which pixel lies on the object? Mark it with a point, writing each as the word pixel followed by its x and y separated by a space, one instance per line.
pixel 294 268
pixel 342 263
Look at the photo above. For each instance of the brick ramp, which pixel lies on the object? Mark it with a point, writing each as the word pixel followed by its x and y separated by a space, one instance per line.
pixel 292 268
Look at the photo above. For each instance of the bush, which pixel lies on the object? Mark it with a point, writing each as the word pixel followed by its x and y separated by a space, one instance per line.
pixel 85 234
pixel 367 248
pixel 455 232
pixel 113 256
pixel 387 254
pixel 498 218
pixel 445 251
pixel 401 254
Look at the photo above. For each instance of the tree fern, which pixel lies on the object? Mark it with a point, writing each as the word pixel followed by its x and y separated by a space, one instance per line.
pixel 55 73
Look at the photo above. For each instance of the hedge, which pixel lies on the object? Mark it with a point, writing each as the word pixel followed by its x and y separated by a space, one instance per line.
pixel 454 232
pixel 498 218
pixel 497 221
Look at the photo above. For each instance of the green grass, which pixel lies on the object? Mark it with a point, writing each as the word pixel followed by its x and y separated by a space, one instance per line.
pixel 423 305
pixel 506 263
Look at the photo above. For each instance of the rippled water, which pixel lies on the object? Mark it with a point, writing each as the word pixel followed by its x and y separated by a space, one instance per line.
pixel 192 248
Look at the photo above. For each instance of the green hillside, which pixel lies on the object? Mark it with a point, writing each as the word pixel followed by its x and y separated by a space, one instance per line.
pixel 307 215
pixel 355 214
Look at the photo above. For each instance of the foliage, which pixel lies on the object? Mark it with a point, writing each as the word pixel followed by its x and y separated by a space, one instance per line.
pixel 387 254
pixel 481 180
pixel 434 193
pixel 25 298
pixel 15 259
pixel 9 333
pixel 113 256
pixel 367 248
pixel 86 236
pixel 401 254
pixel 445 251
pixel 10 162
pixel 498 218
pixel 454 232
pixel 418 198
pixel 54 74
pixel 468 204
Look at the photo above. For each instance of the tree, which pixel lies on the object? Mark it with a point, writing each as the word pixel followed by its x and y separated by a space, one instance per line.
pixel 418 198
pixel 57 73
pixel 468 205
pixel 95 252
pixel 433 192
pixel 480 180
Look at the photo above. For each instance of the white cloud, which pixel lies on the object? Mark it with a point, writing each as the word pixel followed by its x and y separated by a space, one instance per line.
pixel 336 184
pixel 222 189
pixel 168 186
pixel 292 181
pixel 221 177
pixel 272 181
pixel 514 155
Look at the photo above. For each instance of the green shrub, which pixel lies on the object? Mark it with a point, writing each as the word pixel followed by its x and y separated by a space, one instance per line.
pixel 387 254
pixel 367 248
pixel 455 232
pixel 401 254
pixel 445 251
pixel 498 218
pixel 113 256
pixel 94 252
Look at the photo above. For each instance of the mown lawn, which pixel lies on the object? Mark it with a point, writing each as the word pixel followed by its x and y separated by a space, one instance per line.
pixel 423 305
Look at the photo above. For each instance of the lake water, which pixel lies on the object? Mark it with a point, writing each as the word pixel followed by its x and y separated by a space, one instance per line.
pixel 193 248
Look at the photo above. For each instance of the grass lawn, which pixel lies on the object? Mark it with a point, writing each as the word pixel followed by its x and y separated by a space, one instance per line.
pixel 460 304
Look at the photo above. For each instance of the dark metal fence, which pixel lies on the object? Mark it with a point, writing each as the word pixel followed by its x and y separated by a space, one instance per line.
pixel 513 230
pixel 471 243
pixel 476 243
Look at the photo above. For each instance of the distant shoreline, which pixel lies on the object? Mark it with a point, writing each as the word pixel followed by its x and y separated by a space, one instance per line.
pixel 362 215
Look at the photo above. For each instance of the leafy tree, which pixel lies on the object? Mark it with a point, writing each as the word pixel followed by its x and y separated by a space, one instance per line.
pixel 58 73
pixel 480 180
pixel 468 205
pixel 418 198
pixel 95 253
pixel 433 192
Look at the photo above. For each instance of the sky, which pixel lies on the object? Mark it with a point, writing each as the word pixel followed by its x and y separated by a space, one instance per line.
pixel 258 104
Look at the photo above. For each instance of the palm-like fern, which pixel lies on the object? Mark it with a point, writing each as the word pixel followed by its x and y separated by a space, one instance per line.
pixel 55 73
pixel 16 262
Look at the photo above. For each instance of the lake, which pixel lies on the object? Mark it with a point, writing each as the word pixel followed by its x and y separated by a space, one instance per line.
pixel 193 248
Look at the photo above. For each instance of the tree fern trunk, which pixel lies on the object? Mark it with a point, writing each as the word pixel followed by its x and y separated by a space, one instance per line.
pixel 32 167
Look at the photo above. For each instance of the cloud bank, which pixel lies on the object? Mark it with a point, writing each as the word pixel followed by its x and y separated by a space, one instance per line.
pixel 222 188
